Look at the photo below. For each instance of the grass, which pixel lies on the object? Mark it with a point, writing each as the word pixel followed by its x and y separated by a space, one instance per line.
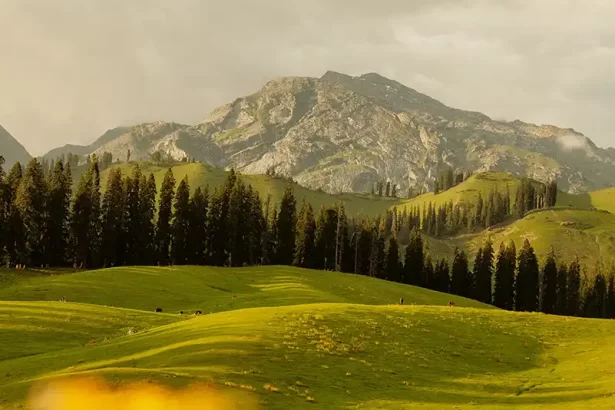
pixel 294 338
pixel 212 289
pixel 338 356
pixel 31 328
pixel 603 199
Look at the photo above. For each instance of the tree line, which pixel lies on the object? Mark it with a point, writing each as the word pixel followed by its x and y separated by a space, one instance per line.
pixel 132 222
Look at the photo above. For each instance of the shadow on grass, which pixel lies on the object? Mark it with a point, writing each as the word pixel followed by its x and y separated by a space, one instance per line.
pixel 345 355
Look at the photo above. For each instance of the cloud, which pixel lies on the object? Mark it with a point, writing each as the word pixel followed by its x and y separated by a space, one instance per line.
pixel 72 69
pixel 572 142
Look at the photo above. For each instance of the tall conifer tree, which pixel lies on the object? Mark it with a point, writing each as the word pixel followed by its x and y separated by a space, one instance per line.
pixel 549 284
pixel 527 283
pixel 287 225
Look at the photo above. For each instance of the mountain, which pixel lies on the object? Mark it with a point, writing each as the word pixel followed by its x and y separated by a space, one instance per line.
pixel 12 150
pixel 108 136
pixel 343 134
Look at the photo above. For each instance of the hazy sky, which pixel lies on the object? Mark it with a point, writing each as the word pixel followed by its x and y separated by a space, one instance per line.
pixel 71 69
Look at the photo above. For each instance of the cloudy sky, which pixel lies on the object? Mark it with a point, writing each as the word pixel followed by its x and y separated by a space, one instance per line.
pixel 71 69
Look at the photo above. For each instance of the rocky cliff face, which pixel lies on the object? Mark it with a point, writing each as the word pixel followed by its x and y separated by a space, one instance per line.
pixel 12 150
pixel 343 133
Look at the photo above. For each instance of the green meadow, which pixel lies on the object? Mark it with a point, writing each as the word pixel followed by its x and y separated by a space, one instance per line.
pixel 299 339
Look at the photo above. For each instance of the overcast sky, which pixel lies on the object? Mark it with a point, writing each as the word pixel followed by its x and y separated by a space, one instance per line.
pixel 71 69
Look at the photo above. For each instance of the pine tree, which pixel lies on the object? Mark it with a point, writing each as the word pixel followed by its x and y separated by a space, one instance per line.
pixel 460 278
pixel 306 235
pixel 562 289
pixel 147 202
pixel 325 239
pixel 94 238
pixel 287 225
pixel 363 249
pixel 237 225
pixel 596 297
pixel 14 230
pixel 549 284
pixel 484 273
pixel 573 295
pixel 610 296
pixel 57 215
pixel 31 203
pixel 521 200
pixel 112 211
pixel 393 268
pixel 257 227
pixel 81 216
pixel 474 291
pixel 504 290
pixel 414 259
pixel 197 227
pixel 165 212
pixel 478 219
pixel 429 273
pixel 340 237
pixel 132 216
pixel 378 259
pixel 181 224
pixel 527 284
pixel 442 276
pixel 271 245
pixel 553 193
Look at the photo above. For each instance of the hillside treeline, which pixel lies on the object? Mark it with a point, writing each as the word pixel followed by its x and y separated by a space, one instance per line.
pixel 132 222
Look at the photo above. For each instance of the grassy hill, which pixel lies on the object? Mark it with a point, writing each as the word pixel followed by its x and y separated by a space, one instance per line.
pixel 211 289
pixel 588 235
pixel 325 355
pixel 467 192
pixel 603 199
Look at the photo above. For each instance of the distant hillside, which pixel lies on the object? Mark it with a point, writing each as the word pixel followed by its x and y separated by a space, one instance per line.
pixel 588 235
pixel 205 175
pixel 12 150
pixel 344 134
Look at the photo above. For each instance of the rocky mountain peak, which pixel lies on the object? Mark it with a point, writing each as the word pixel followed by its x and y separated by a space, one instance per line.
pixel 343 133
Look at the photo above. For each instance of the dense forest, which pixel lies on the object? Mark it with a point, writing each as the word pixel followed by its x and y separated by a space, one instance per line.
pixel 129 222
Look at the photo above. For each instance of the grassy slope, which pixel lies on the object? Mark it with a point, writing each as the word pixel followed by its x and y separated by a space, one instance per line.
pixel 467 192
pixel 348 356
pixel 590 235
pixel 203 175
pixel 603 199
pixel 211 289
pixel 29 328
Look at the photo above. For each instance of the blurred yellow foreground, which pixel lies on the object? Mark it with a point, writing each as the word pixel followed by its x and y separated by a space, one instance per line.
pixel 94 394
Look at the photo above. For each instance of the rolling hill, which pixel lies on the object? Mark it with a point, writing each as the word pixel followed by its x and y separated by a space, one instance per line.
pixel 283 353
pixel 211 289
pixel 588 235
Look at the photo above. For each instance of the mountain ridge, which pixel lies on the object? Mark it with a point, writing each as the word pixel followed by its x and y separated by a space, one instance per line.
pixel 11 149
pixel 344 134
